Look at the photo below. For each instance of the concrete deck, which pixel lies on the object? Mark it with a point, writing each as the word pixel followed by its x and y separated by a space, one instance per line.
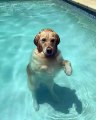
pixel 87 5
pixel 90 4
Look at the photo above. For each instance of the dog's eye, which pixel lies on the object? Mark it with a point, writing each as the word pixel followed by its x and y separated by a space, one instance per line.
pixel 43 40
pixel 53 40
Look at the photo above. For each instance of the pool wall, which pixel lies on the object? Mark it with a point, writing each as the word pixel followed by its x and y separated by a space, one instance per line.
pixel 83 7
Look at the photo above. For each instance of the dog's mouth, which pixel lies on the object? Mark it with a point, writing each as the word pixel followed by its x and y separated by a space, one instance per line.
pixel 49 51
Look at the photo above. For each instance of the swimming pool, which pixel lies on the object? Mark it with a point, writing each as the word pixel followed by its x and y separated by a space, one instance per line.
pixel 19 23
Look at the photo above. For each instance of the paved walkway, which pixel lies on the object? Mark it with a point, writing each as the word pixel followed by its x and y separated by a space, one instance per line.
pixel 91 4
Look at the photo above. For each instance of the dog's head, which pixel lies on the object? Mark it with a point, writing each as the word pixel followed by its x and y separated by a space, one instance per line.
pixel 46 41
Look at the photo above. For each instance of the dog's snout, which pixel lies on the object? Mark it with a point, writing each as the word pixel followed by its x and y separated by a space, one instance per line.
pixel 49 50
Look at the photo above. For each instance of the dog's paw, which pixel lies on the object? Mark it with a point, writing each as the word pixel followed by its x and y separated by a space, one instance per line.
pixel 68 68
pixel 35 105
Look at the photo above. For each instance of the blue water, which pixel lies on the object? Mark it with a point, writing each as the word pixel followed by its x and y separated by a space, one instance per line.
pixel 19 23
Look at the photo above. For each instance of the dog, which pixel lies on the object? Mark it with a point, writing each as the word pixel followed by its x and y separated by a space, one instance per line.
pixel 45 62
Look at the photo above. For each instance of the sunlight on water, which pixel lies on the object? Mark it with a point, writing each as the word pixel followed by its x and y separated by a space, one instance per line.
pixel 19 23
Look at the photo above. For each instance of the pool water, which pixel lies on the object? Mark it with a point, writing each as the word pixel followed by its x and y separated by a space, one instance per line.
pixel 19 23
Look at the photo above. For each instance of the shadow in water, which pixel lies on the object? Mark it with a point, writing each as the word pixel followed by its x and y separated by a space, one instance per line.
pixel 67 99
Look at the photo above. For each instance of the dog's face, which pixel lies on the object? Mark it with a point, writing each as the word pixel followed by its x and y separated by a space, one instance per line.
pixel 47 41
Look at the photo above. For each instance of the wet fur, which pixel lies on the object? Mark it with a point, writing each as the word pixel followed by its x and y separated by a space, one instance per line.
pixel 43 68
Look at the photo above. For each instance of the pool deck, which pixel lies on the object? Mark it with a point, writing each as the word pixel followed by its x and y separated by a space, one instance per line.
pixel 90 4
pixel 86 5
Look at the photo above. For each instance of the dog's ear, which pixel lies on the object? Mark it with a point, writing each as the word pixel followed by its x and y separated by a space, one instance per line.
pixel 37 43
pixel 57 39
pixel 36 39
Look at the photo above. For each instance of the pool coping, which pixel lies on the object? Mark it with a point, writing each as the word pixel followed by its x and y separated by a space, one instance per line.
pixel 82 6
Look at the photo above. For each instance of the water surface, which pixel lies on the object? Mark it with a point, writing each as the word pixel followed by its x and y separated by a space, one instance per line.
pixel 19 23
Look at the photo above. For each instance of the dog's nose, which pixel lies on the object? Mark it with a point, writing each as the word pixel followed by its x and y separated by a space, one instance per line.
pixel 49 50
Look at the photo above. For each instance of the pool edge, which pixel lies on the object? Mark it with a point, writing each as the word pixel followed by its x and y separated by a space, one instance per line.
pixel 81 6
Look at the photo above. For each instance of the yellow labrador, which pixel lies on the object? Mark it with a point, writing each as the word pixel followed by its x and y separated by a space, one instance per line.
pixel 46 61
